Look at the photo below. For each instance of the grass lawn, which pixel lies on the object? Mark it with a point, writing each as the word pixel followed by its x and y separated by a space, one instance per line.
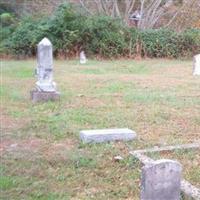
pixel 41 154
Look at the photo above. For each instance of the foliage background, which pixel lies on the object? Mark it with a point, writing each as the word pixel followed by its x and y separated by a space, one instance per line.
pixel 72 30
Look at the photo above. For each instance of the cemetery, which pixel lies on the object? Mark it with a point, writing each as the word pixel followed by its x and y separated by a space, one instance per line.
pixel 89 127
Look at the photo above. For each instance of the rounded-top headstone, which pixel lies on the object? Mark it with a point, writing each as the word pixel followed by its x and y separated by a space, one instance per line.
pixel 83 58
pixel 161 180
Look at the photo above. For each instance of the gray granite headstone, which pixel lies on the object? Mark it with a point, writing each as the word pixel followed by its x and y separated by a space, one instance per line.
pixel 161 180
pixel 45 86
pixel 106 135
pixel 196 65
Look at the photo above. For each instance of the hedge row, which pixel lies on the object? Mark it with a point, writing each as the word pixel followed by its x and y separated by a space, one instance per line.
pixel 71 32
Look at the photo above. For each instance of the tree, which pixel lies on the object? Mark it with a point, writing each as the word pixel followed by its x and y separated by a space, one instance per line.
pixel 187 17
pixel 151 12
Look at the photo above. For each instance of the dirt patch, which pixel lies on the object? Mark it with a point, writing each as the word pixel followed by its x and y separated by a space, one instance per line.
pixel 16 145
pixel 8 123
pixel 66 144
pixel 35 144
pixel 86 102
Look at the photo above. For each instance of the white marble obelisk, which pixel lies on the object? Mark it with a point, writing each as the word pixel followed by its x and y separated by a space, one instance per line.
pixel 45 67
pixel 45 86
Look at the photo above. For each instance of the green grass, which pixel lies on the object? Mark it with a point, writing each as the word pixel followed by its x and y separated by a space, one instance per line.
pixel 43 157
pixel 7 183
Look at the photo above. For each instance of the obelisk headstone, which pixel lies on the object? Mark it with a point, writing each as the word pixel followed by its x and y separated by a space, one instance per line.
pixel 196 65
pixel 161 180
pixel 45 86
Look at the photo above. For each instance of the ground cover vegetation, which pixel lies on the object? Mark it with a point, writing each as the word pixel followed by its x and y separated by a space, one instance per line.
pixel 41 154
pixel 71 29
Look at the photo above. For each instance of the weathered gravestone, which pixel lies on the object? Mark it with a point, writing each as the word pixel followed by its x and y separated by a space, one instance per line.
pixel 196 65
pixel 83 59
pixel 161 180
pixel 45 86
pixel 106 135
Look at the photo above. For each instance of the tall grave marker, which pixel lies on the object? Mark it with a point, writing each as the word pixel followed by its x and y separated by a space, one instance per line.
pixel 45 86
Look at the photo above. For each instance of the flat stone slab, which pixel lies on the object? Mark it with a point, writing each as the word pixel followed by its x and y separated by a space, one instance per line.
pixel 106 135
pixel 40 96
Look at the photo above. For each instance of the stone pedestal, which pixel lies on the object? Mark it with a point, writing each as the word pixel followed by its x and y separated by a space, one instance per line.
pixel 41 96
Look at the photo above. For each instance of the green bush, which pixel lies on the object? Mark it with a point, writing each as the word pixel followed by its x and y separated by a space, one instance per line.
pixel 62 29
pixel 23 41
pixel 71 31
pixel 189 42
pixel 104 36
pixel 159 43
pixel 8 24
pixel 65 29
pixel 6 19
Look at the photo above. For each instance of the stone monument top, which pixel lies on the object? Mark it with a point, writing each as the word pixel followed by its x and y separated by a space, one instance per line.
pixel 45 41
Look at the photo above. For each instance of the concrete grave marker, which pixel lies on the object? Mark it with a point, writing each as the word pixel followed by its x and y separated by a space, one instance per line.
pixel 45 86
pixel 105 135
pixel 83 59
pixel 196 65
pixel 161 180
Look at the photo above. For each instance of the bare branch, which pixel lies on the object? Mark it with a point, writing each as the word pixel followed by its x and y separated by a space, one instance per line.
pixel 82 2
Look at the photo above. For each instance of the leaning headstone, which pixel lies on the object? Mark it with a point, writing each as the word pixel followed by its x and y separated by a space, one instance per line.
pixel 106 135
pixel 161 180
pixel 45 86
pixel 196 65
pixel 83 59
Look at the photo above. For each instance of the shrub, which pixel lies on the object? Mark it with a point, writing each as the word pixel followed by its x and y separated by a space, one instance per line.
pixel 8 25
pixel 23 41
pixel 6 19
pixel 159 43
pixel 189 42
pixel 104 36
pixel 65 29
pixel 71 31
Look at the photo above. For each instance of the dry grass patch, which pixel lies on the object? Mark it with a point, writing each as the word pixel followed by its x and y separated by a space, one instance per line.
pixel 42 156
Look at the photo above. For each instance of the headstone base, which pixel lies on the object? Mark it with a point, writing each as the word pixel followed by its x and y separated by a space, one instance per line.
pixel 40 96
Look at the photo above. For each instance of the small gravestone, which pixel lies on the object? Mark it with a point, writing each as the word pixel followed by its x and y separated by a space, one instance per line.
pixel 161 180
pixel 196 65
pixel 45 86
pixel 83 59
pixel 106 135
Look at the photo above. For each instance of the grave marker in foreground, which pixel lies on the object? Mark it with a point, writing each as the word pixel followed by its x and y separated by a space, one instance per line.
pixel 161 180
